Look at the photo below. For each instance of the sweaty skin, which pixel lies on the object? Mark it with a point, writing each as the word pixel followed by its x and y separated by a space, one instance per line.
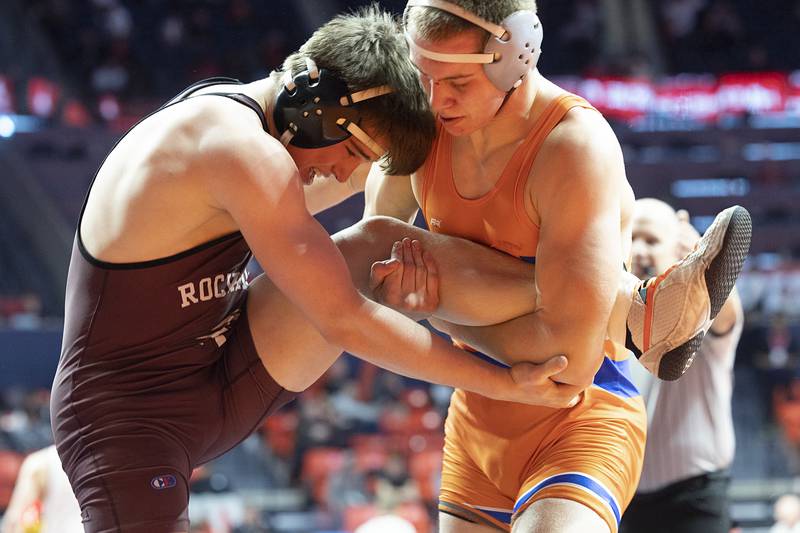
pixel 567 304
pixel 226 179
pixel 578 198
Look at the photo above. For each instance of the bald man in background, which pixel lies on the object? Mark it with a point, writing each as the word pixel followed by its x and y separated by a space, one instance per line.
pixel 690 441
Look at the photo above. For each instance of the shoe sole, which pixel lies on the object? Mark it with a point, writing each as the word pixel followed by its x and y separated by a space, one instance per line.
pixel 720 278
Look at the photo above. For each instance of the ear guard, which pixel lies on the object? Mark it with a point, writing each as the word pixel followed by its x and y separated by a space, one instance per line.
pixel 512 50
pixel 315 109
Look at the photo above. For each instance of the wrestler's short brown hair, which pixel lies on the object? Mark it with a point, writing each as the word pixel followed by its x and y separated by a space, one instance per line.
pixel 366 49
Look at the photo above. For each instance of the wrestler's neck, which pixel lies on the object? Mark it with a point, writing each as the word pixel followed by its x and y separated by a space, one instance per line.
pixel 264 92
pixel 515 118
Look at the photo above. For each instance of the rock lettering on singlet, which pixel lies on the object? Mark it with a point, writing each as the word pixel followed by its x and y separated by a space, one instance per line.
pixel 212 287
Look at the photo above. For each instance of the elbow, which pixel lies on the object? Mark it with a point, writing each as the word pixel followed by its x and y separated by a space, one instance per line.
pixel 338 332
pixel 582 369
pixel 338 328
pixel 349 325
pixel 585 354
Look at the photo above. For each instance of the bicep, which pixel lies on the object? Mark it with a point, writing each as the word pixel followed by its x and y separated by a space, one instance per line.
pixel 390 196
pixel 579 255
pixel 266 200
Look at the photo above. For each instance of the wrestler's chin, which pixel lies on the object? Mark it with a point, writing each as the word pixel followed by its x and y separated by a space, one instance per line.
pixel 457 126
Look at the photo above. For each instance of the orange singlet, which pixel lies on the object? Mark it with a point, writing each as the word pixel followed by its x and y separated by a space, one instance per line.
pixel 499 457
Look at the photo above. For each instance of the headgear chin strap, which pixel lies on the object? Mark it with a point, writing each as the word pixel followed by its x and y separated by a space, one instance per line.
pixel 512 50
pixel 315 109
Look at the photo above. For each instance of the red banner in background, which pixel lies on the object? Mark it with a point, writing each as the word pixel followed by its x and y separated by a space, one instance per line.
pixel 698 97
pixel 6 95
pixel 752 93
pixel 793 101
pixel 701 97
pixel 688 97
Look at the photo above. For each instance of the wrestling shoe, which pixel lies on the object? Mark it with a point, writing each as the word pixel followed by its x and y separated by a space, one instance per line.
pixel 671 313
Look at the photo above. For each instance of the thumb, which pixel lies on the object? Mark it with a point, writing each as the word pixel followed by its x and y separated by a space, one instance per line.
pixel 553 366
pixel 534 372
pixel 380 270
pixel 683 215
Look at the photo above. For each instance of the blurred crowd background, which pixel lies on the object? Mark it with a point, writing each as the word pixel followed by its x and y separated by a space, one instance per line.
pixel 703 94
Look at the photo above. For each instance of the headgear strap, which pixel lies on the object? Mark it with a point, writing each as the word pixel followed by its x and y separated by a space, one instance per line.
pixel 313 113
pixel 496 30
pixel 509 54
pixel 450 58
pixel 362 136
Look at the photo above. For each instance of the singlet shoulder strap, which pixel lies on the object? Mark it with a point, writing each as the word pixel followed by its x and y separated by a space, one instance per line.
pixel 220 80
pixel 202 84
pixel 247 101
pixel 553 114
pixel 180 97
pixel 441 145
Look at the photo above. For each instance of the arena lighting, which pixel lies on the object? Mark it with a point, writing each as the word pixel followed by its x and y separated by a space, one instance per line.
pixel 11 125
pixel 772 151
pixel 7 127
pixel 711 188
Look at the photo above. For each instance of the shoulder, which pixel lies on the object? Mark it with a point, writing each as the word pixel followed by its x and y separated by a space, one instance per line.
pixel 584 134
pixel 236 165
pixel 234 145
pixel 581 151
pixel 579 169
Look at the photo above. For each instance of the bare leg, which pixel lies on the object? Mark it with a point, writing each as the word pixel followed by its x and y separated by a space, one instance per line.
pixel 557 515
pixel 550 515
pixel 478 286
pixel 295 353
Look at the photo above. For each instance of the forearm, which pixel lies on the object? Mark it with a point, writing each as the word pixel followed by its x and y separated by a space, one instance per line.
pixel 323 194
pixel 533 338
pixel 389 340
pixel 729 315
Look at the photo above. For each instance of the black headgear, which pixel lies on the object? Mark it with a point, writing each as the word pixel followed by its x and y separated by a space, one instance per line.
pixel 315 109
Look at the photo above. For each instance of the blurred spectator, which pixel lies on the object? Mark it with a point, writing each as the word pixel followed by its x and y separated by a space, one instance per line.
pixel 356 415
pixel 386 524
pixel 781 346
pixel 253 522
pixel 316 427
pixel 690 441
pixel 786 514
pixel 394 485
pixel 786 405
pixel 718 39
pixel 680 17
pixel 346 486
pixel 25 423
pixel 580 35
pixel 21 312
pixel 42 500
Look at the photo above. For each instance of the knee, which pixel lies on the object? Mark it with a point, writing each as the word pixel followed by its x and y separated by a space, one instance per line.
pixel 377 231
pixel 383 227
